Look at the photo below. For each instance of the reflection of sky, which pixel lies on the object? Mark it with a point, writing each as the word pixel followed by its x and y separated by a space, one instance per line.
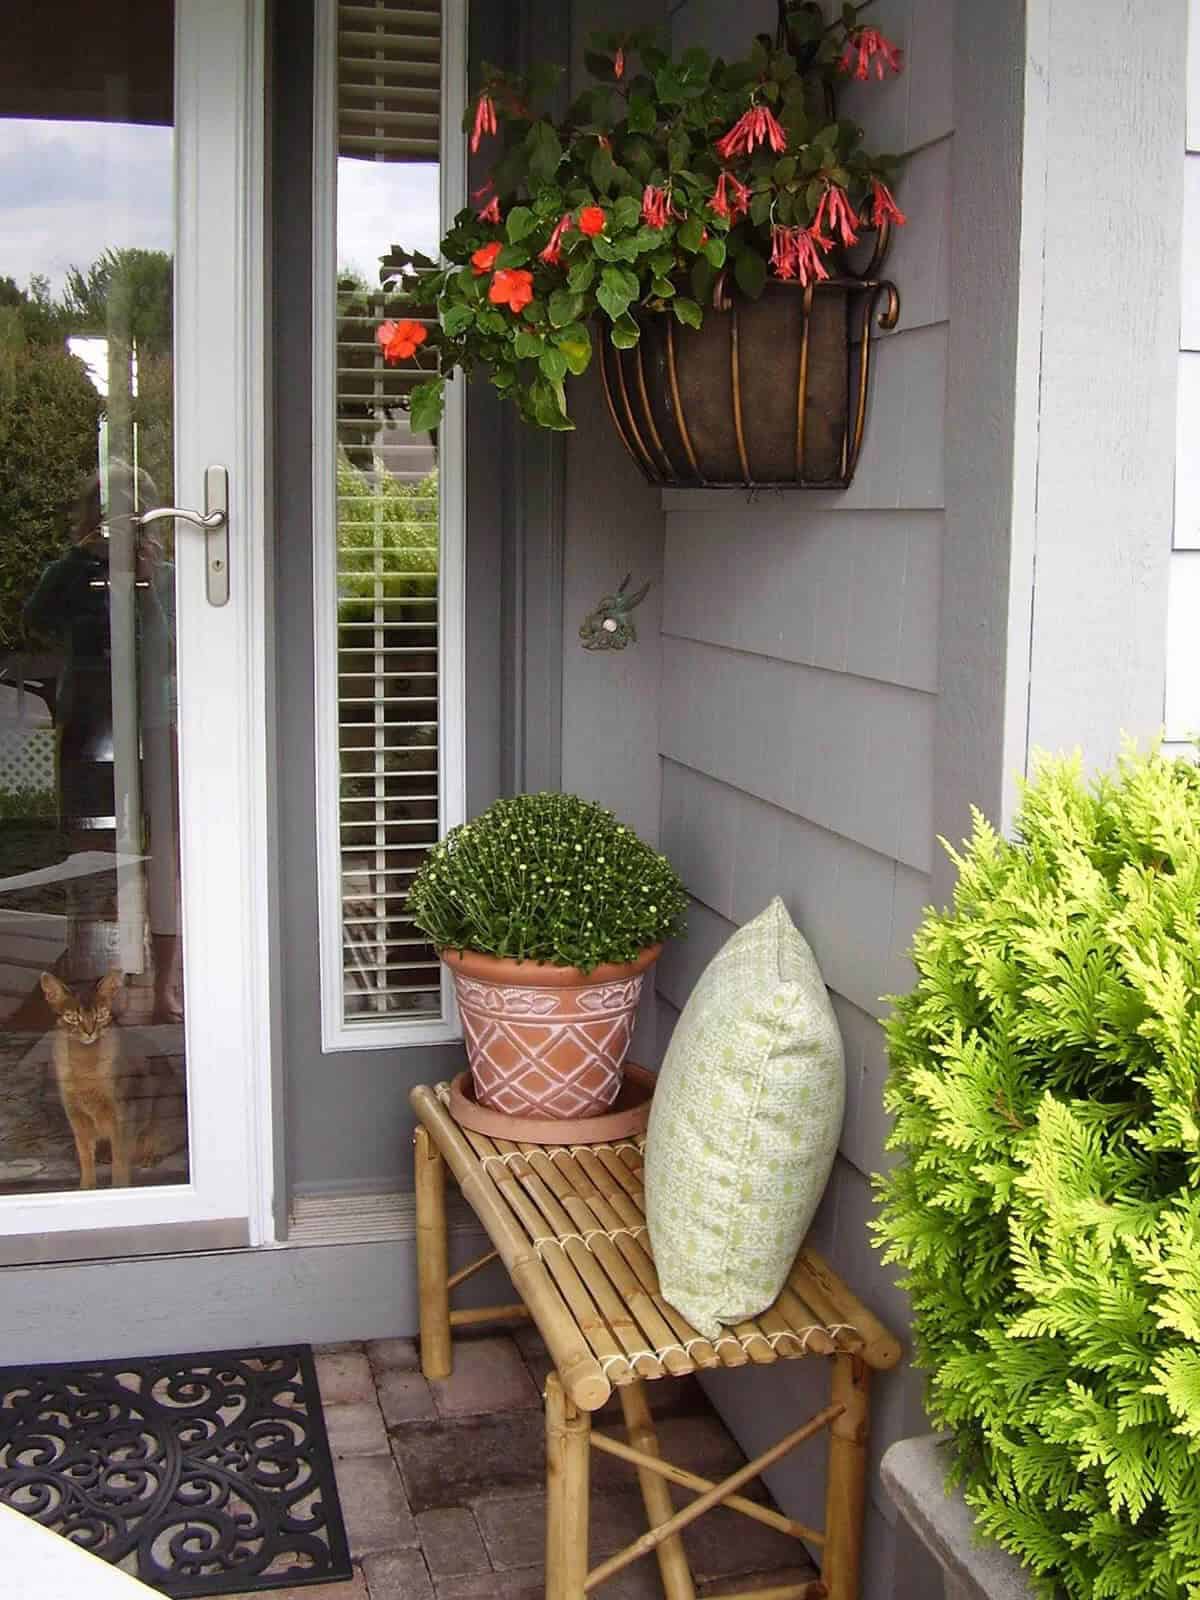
pixel 381 204
pixel 70 190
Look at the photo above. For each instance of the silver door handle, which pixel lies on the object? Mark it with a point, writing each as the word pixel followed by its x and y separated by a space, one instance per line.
pixel 200 519
pixel 214 520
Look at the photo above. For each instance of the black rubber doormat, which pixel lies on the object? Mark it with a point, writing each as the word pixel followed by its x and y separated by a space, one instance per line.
pixel 204 1474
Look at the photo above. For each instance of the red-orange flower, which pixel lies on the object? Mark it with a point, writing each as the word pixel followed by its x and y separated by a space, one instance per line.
pixel 837 214
pixel 795 253
pixel 399 340
pixel 592 220
pixel 754 127
pixel 731 198
pixel 552 252
pixel 619 64
pixel 867 45
pixel 484 258
pixel 511 287
pixel 656 206
pixel 485 120
pixel 883 205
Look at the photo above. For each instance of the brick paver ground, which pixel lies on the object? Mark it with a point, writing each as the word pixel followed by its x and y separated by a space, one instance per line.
pixel 443 1484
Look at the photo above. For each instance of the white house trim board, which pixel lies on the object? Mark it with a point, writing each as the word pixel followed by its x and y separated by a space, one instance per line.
pixel 1059 477
pixel 391 1031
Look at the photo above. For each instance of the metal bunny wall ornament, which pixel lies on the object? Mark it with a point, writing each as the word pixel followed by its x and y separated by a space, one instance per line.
pixel 610 626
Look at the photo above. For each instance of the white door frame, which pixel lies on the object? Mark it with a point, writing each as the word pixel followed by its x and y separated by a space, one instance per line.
pixel 223 667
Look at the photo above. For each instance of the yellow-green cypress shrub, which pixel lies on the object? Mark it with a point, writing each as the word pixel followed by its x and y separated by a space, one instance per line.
pixel 1045 1085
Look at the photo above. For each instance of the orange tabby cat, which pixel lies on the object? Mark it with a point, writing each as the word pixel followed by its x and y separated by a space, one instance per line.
pixel 91 1078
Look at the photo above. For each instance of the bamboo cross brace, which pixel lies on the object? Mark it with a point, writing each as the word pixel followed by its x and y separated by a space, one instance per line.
pixel 693 1480
pixel 714 1497
pixel 472 1267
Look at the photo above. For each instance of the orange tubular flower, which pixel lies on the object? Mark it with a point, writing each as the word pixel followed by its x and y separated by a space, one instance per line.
pixel 619 64
pixel 592 220
pixel 399 340
pixel 484 258
pixel 754 127
pixel 485 120
pixel 867 45
pixel 883 205
pixel 552 253
pixel 836 212
pixel 511 287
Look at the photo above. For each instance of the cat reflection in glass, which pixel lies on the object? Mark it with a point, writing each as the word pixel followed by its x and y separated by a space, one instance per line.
pixel 106 1096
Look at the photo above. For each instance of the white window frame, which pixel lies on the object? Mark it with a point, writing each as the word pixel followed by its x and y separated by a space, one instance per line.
pixel 386 1032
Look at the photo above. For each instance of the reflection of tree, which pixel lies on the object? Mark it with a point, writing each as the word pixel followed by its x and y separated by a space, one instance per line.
pixel 126 297
pixel 50 410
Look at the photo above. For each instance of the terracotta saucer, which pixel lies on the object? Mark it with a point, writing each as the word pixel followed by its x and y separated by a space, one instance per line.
pixel 626 1118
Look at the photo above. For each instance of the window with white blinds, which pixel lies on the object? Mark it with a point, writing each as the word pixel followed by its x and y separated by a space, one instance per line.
pixel 390 166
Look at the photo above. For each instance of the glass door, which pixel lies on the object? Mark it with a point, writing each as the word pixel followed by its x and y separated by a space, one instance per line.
pixel 129 907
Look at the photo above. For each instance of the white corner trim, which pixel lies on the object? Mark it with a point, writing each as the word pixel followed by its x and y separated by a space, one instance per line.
pixel 389 1032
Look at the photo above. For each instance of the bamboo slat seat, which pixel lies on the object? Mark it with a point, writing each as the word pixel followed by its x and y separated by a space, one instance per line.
pixel 569 1224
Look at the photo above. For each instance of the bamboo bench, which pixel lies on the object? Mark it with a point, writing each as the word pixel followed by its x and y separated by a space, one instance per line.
pixel 568 1224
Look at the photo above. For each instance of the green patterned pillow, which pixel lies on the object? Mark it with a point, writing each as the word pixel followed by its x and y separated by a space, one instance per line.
pixel 744 1125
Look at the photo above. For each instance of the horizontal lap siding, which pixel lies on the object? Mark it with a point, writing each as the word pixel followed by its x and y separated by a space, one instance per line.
pixel 796 717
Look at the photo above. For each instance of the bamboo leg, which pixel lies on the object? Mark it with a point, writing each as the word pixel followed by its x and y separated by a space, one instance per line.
pixel 672 1561
pixel 846 1486
pixel 437 1360
pixel 567 1465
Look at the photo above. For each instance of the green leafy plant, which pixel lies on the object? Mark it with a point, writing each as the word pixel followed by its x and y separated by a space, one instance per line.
pixel 1045 1084
pixel 547 877
pixel 656 181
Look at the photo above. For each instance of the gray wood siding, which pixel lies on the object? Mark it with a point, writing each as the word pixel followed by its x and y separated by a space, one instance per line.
pixel 798 708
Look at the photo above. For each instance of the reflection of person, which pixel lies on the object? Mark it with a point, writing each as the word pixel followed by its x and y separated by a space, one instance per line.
pixel 72 603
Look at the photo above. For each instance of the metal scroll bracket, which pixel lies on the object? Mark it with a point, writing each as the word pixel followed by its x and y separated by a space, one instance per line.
pixel 214 520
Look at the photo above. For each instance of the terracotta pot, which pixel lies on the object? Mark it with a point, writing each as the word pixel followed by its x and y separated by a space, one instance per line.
pixel 543 1040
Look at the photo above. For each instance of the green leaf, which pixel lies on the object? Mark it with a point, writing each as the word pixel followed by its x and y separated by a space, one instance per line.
pixel 425 405
pixel 492 321
pixel 785 170
pixel 690 234
pixel 549 404
pixel 457 319
pixel 663 287
pixel 641 118
pixel 703 276
pixel 714 249
pixel 679 147
pixel 625 332
pixel 626 211
pixel 545 152
pixel 618 289
pixel 528 345
pixel 750 271
pixel 554 364
pixel 578 352
pixel 687 311
pixel 520 222
pixel 760 208
pixel 602 169
pixel 513 255
pixel 564 307
pixel 581 275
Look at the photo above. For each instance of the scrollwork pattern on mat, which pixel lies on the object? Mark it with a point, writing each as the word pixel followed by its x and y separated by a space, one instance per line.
pixel 195 1474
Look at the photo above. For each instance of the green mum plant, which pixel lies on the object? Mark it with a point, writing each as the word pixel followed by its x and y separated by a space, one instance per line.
pixel 1045 1084
pixel 547 877
pixel 660 177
